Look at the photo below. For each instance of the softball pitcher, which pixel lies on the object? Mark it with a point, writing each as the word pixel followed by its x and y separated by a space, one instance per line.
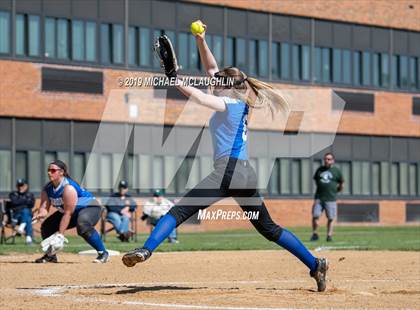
pixel 76 207
pixel 232 176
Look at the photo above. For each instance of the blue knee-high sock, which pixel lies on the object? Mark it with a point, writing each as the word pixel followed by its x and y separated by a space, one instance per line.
pixel 291 243
pixel 95 241
pixel 162 230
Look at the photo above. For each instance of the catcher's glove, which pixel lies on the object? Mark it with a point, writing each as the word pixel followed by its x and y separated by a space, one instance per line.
pixel 53 244
pixel 166 53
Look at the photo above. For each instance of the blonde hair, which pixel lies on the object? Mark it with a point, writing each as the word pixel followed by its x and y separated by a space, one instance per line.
pixel 255 93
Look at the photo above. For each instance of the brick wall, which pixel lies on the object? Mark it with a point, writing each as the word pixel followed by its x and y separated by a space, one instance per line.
pixel 21 96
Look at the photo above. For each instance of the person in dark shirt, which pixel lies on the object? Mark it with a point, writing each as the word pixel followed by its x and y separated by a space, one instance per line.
pixel 21 204
pixel 119 208
pixel 329 181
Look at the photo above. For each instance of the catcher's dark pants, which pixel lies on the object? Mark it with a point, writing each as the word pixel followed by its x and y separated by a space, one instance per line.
pixel 84 220
pixel 231 178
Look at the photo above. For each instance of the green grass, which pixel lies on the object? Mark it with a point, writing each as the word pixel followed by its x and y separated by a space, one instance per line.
pixel 403 238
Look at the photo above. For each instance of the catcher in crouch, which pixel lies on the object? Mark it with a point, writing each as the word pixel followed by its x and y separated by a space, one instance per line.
pixel 76 207
pixel 232 176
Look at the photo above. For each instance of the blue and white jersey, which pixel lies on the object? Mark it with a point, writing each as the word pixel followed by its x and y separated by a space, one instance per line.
pixel 228 130
pixel 55 195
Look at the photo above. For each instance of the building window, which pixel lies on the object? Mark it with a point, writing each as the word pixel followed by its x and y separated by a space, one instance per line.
pixel 77 40
pixel 263 58
pixel 183 49
pixel 403 72
pixel 305 176
pixel 132 46
pixel 27 35
pixel 133 172
pixel 414 73
pixel 252 57
pixel 337 65
pixel 6 170
pixel 170 171
pixel 413 180
pixel 346 66
pixel 296 176
pixel 158 172
pixel 285 176
pixel 90 41
pixel 34 35
pixel 83 40
pixel 375 69
pixel 56 38
pixel 4 32
pixel 345 168
pixel 146 173
pixel 92 168
pixel 230 49
pixel 105 44
pixel 305 59
pixel 218 49
pixel 79 166
pixel 384 172
pixel 62 38
pixel 360 178
pixel 240 54
pixel 21 165
pixel 403 178
pixel 49 39
pixel 326 65
pixel 20 35
pixel 384 70
pixel 357 64
pixel 117 44
pixel 295 62
pixel 187 51
pixel 394 179
pixel 275 60
pixel 376 178
pixel 106 172
pixel 366 68
pixel 317 65
pixel 112 43
pixel 285 61
pixel 193 51
pixel 395 71
pixel 145 47
pixel 274 184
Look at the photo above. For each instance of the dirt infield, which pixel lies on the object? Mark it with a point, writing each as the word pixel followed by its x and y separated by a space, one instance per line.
pixel 212 280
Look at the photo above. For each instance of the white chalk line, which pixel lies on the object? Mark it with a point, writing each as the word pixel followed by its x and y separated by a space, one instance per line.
pixel 58 291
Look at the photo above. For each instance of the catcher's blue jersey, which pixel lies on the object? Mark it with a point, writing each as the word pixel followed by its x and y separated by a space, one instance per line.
pixel 229 130
pixel 55 195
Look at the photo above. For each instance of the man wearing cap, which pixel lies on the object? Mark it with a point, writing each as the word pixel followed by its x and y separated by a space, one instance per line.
pixel 119 208
pixel 21 203
pixel 154 209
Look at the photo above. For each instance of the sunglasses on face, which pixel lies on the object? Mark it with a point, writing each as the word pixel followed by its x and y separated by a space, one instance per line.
pixel 52 170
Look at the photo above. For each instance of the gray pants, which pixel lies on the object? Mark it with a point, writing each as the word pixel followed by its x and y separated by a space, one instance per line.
pixel 330 208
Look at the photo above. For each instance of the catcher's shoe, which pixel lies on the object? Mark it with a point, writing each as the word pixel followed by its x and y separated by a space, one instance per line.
pixel 320 274
pixel 101 258
pixel 47 259
pixel 138 255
